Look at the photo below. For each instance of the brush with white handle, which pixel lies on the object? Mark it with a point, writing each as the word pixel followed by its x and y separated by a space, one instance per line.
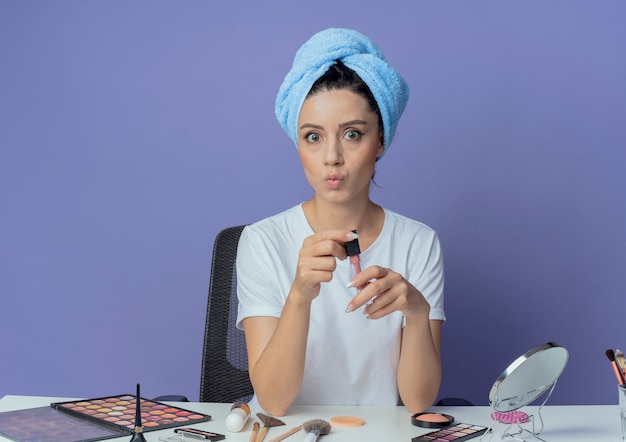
pixel 315 428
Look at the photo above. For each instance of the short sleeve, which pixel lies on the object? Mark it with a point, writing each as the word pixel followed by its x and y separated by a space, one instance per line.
pixel 431 280
pixel 257 286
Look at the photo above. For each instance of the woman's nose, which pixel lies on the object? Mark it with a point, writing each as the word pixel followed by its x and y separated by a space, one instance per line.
pixel 333 153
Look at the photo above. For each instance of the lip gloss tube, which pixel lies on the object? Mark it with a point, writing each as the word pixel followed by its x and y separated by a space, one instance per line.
pixel 354 252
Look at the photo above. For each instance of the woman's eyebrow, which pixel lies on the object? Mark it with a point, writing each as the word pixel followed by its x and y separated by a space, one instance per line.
pixel 347 123
pixel 310 125
pixel 352 122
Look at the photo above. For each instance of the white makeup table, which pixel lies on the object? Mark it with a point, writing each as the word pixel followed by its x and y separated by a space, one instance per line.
pixel 574 423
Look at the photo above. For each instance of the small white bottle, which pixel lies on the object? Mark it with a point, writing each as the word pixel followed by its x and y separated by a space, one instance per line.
pixel 239 414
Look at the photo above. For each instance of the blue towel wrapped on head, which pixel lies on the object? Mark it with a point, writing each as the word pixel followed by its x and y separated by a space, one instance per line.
pixel 358 53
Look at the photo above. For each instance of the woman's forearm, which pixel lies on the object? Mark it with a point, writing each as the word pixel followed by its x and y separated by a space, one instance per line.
pixel 278 372
pixel 419 369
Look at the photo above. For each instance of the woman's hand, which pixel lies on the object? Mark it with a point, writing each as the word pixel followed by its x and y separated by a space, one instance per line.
pixel 388 291
pixel 316 261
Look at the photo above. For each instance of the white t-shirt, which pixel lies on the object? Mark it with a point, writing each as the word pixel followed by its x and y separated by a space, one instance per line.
pixel 350 360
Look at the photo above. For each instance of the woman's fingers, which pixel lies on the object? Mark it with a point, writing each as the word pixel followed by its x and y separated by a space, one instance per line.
pixel 386 292
pixel 316 261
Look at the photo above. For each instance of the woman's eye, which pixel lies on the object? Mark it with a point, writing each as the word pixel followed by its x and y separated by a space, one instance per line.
pixel 353 135
pixel 313 137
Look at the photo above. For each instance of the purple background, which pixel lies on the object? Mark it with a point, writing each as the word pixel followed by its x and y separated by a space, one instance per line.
pixel 131 132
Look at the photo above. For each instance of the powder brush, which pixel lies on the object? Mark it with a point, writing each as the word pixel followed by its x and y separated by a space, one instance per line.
pixel 315 428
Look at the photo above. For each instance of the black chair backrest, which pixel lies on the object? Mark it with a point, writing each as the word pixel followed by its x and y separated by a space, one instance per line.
pixel 224 376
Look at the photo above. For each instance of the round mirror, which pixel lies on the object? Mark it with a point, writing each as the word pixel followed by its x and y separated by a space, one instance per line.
pixel 528 377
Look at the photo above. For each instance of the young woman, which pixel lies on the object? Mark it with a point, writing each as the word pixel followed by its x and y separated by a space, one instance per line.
pixel 315 333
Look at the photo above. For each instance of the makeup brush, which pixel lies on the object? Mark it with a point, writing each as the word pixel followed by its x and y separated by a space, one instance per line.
pixel 286 434
pixel 138 433
pixel 255 431
pixel 619 356
pixel 315 428
pixel 618 373
pixel 268 422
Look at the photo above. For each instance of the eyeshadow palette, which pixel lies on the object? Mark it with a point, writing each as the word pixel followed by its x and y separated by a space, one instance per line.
pixel 47 424
pixel 454 433
pixel 119 412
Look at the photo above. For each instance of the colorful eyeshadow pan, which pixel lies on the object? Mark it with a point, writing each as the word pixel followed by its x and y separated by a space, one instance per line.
pixel 119 412
pixel 455 433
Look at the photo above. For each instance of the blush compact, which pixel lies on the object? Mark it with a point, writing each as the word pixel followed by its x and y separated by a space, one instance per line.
pixel 432 420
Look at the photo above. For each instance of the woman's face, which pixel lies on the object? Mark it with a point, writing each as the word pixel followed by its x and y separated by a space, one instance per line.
pixel 338 142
